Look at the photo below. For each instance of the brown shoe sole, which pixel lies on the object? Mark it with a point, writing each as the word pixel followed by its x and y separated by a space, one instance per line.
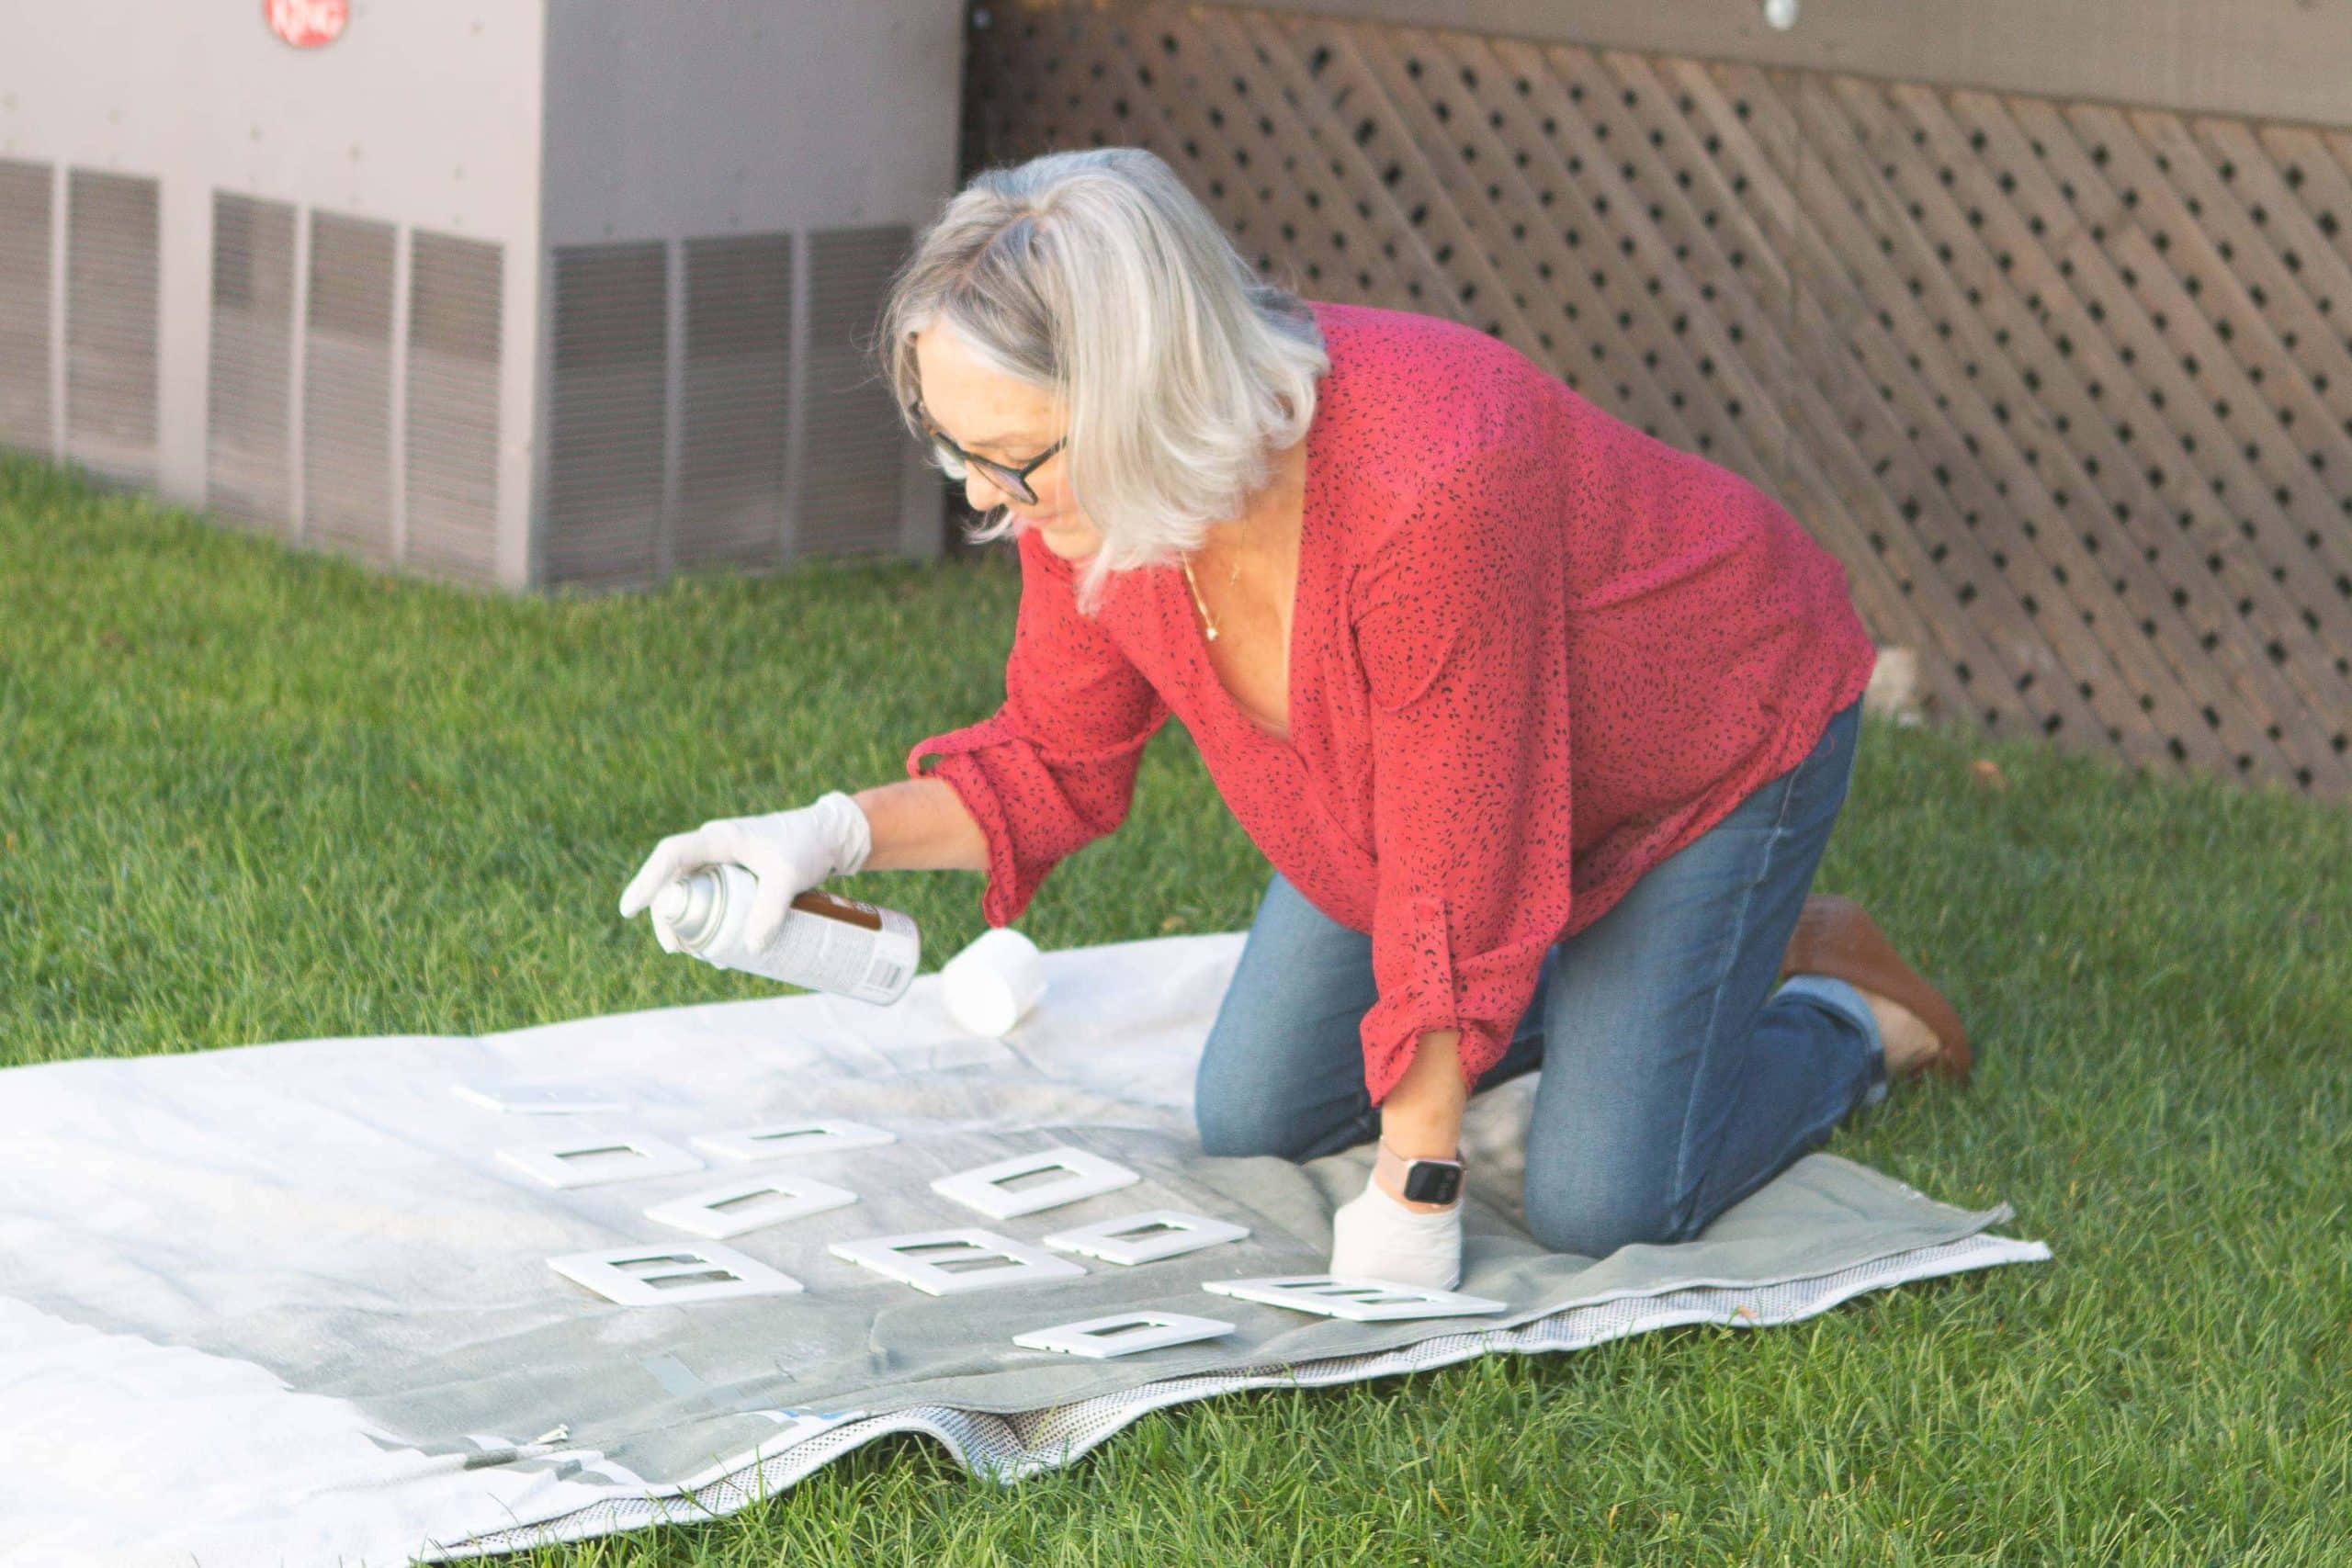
pixel 1837 936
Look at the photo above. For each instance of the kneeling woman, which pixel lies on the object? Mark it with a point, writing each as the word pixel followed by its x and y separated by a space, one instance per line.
pixel 1542 723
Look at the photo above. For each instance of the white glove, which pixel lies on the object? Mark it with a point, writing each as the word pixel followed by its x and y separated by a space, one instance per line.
pixel 1375 1236
pixel 788 851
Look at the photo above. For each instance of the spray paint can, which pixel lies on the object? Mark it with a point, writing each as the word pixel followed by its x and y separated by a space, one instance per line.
pixel 826 943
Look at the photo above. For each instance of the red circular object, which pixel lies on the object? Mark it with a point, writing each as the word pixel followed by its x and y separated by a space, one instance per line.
pixel 307 24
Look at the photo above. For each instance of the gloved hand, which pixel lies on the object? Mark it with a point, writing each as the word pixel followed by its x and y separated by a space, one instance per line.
pixel 1375 1236
pixel 788 851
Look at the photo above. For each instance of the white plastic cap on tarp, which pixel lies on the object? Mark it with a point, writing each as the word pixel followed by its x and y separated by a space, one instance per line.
pixel 991 985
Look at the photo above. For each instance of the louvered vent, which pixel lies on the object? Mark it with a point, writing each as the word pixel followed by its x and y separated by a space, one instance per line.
pixel 249 476
pixel 453 350
pixel 347 388
pixel 25 413
pixel 853 475
pixel 739 330
pixel 110 301
pixel 606 412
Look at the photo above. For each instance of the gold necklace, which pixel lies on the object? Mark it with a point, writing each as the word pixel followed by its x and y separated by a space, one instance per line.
pixel 1186 561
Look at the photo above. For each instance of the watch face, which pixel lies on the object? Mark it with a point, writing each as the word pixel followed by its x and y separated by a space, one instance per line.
pixel 1427 1181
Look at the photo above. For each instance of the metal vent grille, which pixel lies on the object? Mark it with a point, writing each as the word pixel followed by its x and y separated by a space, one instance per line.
pixel 347 388
pixel 853 477
pixel 453 355
pixel 249 468
pixel 25 412
pixel 110 301
pixel 606 412
pixel 738 368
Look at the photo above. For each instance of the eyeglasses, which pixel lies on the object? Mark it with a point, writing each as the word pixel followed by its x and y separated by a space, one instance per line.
pixel 1013 482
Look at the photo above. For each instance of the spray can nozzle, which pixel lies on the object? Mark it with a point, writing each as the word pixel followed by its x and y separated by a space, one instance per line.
pixel 689 906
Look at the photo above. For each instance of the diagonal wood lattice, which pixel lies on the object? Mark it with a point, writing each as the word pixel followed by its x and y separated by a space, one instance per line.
pixel 2068 386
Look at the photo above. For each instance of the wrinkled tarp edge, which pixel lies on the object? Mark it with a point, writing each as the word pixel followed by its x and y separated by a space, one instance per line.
pixel 1006 1448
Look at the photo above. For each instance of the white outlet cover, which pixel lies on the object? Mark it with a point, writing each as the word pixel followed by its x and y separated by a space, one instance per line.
pixel 721 1211
pixel 888 1255
pixel 783 1139
pixel 1114 1241
pixel 633 1276
pixel 589 1160
pixel 1123 1334
pixel 1356 1299
pixel 729 1212
pixel 1090 1175
pixel 537 1098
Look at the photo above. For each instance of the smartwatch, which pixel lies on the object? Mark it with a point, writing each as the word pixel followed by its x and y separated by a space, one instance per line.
pixel 1431 1180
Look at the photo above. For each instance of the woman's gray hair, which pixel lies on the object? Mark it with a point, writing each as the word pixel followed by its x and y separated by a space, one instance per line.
pixel 1095 275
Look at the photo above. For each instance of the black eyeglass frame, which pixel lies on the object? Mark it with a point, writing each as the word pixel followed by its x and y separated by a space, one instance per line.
pixel 1012 480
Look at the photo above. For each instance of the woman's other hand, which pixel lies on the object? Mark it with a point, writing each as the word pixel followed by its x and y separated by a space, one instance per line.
pixel 1375 1236
pixel 788 851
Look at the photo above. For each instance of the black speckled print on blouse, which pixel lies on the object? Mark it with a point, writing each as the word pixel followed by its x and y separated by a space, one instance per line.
pixel 1534 652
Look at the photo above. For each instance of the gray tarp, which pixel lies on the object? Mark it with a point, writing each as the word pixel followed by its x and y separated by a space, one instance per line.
pixel 264 1304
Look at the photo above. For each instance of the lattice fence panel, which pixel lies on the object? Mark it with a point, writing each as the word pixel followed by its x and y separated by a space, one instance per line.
pixel 2066 386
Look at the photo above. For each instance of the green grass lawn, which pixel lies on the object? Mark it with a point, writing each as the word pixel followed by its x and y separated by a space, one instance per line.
pixel 251 795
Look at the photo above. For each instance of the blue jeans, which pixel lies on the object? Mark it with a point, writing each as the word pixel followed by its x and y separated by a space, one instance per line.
pixel 1676 1079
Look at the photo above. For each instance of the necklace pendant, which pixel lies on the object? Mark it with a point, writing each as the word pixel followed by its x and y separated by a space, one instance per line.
pixel 1211 633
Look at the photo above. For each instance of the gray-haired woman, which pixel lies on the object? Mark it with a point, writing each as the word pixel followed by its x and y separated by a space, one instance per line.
pixel 1541 724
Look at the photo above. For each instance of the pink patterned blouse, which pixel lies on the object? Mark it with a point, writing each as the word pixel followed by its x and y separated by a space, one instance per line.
pixel 1533 653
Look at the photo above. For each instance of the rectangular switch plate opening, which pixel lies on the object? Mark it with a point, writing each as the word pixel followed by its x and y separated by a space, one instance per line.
pixel 948 1269
pixel 675 1271
pixel 1123 1334
pixel 1087 1176
pixel 1144 1237
pixel 1357 1300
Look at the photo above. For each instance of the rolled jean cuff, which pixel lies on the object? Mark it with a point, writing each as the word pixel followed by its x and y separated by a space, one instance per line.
pixel 1840 997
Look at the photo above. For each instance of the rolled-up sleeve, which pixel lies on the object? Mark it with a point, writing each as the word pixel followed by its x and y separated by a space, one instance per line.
pixel 1054 768
pixel 1459 624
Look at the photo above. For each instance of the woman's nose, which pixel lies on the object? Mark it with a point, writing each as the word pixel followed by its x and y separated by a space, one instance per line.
pixel 982 493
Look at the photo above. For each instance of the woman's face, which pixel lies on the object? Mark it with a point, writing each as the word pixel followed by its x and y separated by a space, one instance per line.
pixel 991 415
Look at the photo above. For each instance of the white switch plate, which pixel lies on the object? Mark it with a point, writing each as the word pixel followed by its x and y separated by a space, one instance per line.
pixel 1112 1242
pixel 789 1138
pixel 1123 1334
pixel 537 1098
pixel 609 1274
pixel 721 1211
pixel 888 1255
pixel 1089 1176
pixel 569 1164
pixel 1357 1300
